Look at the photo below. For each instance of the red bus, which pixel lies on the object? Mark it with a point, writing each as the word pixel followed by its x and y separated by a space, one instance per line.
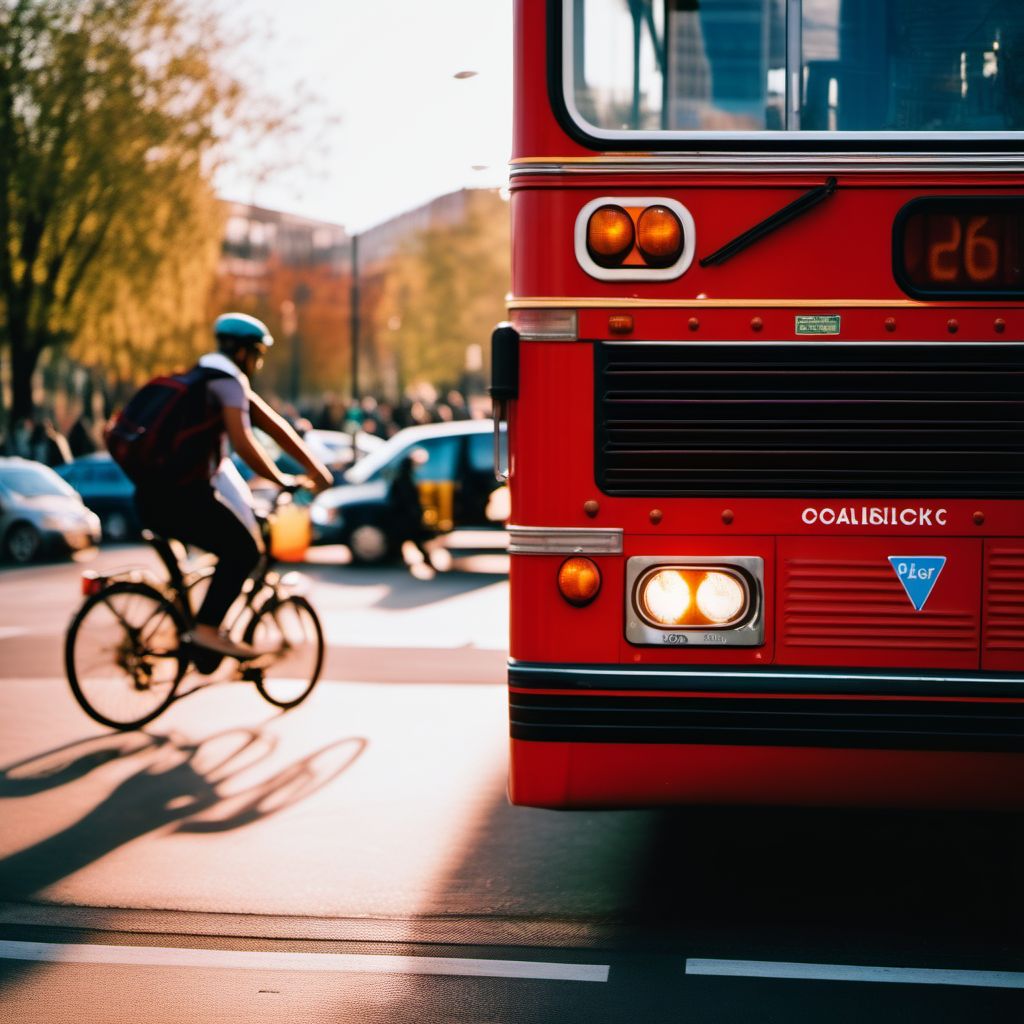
pixel 764 385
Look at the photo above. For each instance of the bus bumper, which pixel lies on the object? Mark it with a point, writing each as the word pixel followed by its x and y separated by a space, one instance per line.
pixel 609 736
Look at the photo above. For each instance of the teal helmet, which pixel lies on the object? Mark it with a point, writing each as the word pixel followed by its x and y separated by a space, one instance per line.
pixel 233 330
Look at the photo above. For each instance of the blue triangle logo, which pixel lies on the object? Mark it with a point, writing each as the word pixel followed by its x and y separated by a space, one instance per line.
pixel 918 574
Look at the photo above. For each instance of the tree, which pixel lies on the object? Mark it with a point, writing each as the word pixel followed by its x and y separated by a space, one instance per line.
pixel 110 116
pixel 445 290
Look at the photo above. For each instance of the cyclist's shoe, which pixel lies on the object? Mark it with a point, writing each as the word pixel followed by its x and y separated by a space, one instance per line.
pixel 215 642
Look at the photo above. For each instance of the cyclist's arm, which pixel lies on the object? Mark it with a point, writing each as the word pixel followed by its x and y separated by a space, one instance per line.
pixel 281 431
pixel 249 450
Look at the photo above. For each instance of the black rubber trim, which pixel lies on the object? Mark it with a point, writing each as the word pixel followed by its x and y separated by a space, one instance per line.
pixel 952 204
pixel 708 679
pixel 778 722
pixel 793 145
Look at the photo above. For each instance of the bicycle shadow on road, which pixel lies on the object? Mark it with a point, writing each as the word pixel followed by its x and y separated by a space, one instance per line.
pixel 175 784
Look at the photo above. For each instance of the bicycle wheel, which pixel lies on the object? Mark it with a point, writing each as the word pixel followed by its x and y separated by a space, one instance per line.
pixel 123 655
pixel 290 628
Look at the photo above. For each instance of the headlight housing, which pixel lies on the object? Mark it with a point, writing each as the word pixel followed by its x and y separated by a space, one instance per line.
pixel 695 601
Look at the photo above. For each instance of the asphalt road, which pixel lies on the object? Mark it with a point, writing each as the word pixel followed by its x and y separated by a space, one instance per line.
pixel 356 859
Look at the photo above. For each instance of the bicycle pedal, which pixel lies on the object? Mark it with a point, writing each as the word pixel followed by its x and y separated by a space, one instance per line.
pixel 205 662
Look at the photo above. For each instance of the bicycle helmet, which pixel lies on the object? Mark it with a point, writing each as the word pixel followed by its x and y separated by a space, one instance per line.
pixel 235 329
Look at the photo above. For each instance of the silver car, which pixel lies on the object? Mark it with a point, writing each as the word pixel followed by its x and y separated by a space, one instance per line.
pixel 40 513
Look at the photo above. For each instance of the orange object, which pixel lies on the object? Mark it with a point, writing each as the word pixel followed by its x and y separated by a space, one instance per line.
pixel 610 234
pixel 659 235
pixel 291 533
pixel 579 580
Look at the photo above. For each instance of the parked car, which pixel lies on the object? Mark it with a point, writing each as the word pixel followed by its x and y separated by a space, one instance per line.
pixel 454 474
pixel 40 513
pixel 107 491
pixel 332 447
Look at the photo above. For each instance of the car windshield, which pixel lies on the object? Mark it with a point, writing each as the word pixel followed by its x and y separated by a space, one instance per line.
pixel 371 464
pixel 728 67
pixel 33 481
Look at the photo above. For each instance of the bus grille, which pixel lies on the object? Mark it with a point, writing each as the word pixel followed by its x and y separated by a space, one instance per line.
pixel 831 603
pixel 1004 599
pixel 924 420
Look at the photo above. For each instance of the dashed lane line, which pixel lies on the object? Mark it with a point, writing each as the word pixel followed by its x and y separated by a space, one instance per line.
pixel 349 963
pixel 851 972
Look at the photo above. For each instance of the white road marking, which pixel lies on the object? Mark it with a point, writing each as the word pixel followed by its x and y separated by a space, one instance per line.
pixel 849 972
pixel 349 963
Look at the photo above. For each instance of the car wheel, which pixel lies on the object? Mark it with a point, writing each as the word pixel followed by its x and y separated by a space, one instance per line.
pixel 23 543
pixel 115 526
pixel 369 545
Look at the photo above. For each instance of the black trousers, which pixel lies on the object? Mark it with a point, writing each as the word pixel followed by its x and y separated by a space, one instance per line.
pixel 193 514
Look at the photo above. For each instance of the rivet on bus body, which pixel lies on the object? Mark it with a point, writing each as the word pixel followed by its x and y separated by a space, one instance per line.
pixel 727 516
pixel 620 323
pixel 693 324
pixel 591 508
pixel 890 324
pixel 656 515
pixel 756 323
pixel 952 326
pixel 999 325
pixel 979 518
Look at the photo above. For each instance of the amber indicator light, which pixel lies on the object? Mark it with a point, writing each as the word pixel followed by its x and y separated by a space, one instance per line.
pixel 960 247
pixel 659 236
pixel 579 580
pixel 610 235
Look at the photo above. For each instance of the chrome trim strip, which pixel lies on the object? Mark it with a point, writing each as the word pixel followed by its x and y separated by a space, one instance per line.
pixel 721 679
pixel 614 302
pixel 563 540
pixel 829 343
pixel 590 671
pixel 771 163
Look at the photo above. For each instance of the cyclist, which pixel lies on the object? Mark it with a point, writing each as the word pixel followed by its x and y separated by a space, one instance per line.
pixel 213 509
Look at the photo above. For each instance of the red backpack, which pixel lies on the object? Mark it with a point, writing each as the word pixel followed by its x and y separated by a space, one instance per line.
pixel 168 433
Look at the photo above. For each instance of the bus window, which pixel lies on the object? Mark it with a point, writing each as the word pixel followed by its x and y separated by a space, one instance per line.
pixel 740 66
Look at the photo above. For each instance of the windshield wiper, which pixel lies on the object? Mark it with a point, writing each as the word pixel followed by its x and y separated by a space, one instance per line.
pixel 770 224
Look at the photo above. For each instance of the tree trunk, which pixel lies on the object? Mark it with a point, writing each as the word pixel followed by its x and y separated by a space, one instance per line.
pixel 23 365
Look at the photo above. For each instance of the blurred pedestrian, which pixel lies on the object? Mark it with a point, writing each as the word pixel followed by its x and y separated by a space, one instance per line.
pixel 457 404
pixel 81 437
pixel 405 507
pixel 49 445
pixel 20 441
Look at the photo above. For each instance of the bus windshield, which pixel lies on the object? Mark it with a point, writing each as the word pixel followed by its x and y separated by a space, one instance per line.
pixel 725 68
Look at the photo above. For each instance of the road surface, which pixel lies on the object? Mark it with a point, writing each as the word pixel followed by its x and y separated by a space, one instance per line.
pixel 356 859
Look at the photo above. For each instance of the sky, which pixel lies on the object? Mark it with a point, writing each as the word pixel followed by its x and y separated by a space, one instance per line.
pixel 405 129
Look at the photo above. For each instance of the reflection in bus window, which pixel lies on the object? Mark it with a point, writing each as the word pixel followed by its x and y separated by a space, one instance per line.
pixel 851 65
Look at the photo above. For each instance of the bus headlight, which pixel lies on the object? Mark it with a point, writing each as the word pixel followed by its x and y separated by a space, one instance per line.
pixel 665 597
pixel 721 597
pixel 697 595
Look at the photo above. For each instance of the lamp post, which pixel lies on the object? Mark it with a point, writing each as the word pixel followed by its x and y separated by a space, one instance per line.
pixel 354 318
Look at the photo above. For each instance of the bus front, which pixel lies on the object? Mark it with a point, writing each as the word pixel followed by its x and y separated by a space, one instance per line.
pixel 763 384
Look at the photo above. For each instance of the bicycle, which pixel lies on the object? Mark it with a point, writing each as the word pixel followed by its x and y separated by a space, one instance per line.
pixel 128 646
